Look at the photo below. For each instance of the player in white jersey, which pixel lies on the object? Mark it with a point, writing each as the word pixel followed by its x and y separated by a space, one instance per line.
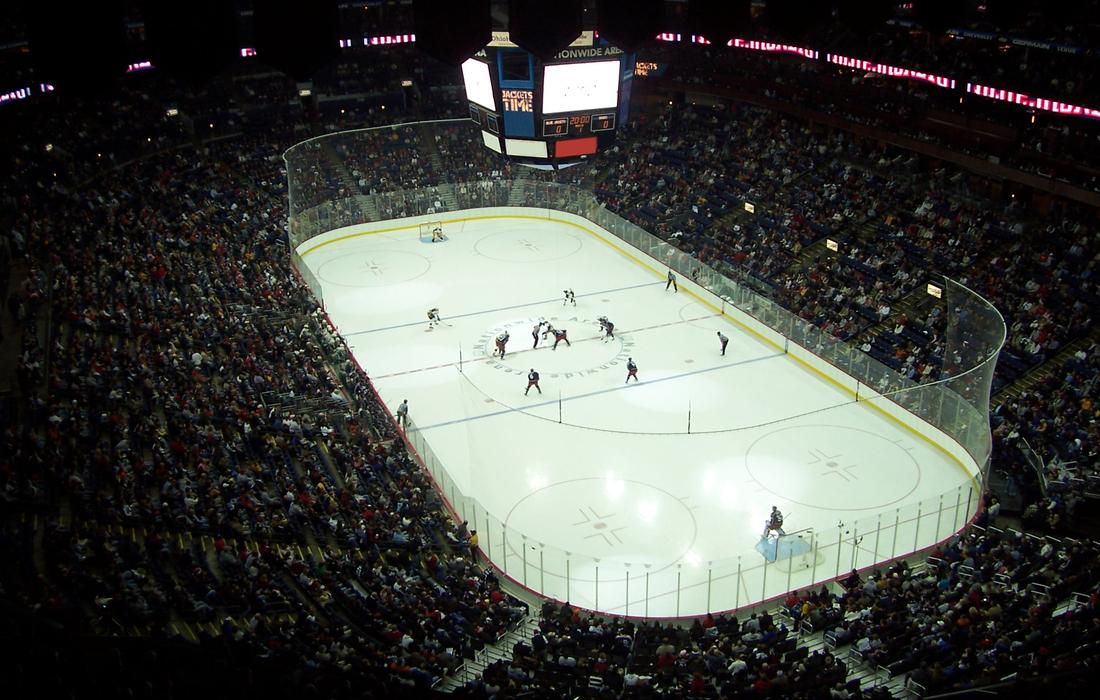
pixel 501 341
pixel 433 318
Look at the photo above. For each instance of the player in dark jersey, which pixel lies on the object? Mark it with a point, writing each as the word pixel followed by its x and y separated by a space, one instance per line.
pixel 608 328
pixel 775 522
pixel 560 336
pixel 501 341
pixel 532 381
pixel 724 341
pixel 631 370
pixel 570 297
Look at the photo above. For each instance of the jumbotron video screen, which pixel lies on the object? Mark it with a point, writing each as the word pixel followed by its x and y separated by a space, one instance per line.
pixel 550 113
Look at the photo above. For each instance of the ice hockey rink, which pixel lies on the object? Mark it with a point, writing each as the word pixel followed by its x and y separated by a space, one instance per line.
pixel 647 498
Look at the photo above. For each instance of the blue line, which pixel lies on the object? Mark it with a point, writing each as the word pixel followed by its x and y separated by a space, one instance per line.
pixel 598 392
pixel 502 308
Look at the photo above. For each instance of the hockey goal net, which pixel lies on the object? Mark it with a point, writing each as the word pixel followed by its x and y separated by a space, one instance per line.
pixel 432 231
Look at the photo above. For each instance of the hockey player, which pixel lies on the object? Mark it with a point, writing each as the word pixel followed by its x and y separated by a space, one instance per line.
pixel 724 341
pixel 775 522
pixel 501 341
pixel 608 328
pixel 631 370
pixel 570 297
pixel 437 233
pixel 433 318
pixel 549 329
pixel 560 336
pixel 671 282
pixel 532 381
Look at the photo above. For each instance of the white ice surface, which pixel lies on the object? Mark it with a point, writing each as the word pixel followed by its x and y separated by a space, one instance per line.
pixel 602 478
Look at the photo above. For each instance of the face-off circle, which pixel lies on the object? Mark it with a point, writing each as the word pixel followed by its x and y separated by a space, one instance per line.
pixel 528 245
pixel 607 518
pixel 373 268
pixel 820 466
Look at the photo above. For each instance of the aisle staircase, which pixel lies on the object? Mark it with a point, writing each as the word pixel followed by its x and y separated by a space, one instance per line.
pixel 915 305
pixel 847 231
pixel 500 650
pixel 1051 368
pixel 518 196
pixel 351 186
pixel 858 669
pixel 431 150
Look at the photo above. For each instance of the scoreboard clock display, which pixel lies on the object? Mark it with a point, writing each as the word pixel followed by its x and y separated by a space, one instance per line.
pixel 578 124
pixel 566 108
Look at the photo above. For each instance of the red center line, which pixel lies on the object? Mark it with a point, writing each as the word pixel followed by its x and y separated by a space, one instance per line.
pixel 519 352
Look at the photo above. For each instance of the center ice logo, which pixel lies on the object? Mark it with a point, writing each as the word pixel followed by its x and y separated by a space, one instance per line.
pixel 588 353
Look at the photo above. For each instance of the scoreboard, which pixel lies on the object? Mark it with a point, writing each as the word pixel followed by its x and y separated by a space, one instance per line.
pixel 554 113
pixel 578 125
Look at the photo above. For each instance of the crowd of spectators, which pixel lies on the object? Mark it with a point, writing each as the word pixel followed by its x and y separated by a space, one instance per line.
pixel 1054 147
pixel 1047 438
pixel 577 654
pixel 207 455
pixel 990 605
pixel 1053 61
pixel 220 458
